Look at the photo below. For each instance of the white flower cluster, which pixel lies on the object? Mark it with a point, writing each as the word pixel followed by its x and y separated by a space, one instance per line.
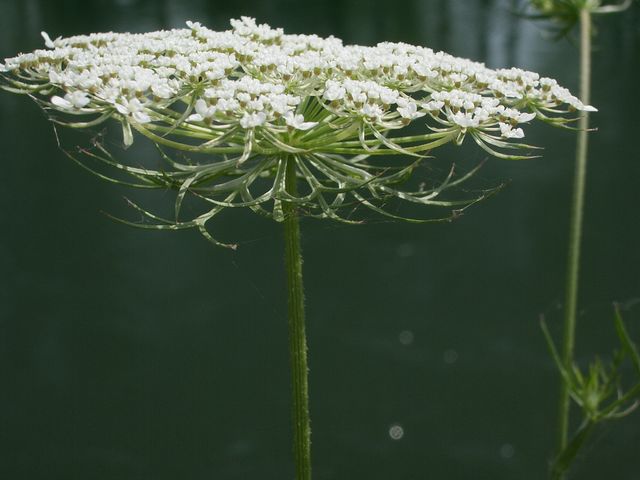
pixel 256 77
pixel 470 110
pixel 262 105
pixel 250 103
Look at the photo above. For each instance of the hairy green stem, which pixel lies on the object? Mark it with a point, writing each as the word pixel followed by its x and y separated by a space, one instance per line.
pixel 297 335
pixel 575 232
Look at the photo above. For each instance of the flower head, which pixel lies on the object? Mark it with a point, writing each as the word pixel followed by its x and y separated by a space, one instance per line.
pixel 252 96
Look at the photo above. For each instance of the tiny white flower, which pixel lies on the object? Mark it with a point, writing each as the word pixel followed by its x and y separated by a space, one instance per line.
pixel 193 25
pixel 61 103
pixel 162 90
pixel 410 111
pixel 252 120
pixel 525 117
pixel 424 71
pixel 109 94
pixel 71 101
pixel 256 105
pixel 508 131
pixel 465 120
pixel 515 115
pixel 297 121
pixel 230 105
pixel 359 97
pixel 203 111
pixel 243 97
pixel 434 105
pixel 389 96
pixel 372 111
pixel 334 91
pixel 47 40
pixel 280 104
pixel 133 108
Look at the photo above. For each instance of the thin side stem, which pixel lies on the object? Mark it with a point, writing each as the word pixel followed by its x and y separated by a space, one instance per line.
pixel 297 335
pixel 575 232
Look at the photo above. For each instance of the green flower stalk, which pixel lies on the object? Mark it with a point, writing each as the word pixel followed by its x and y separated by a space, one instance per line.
pixel 566 14
pixel 285 125
pixel 575 231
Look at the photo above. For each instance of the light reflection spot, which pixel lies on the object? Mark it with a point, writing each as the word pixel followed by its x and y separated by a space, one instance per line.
pixel 450 356
pixel 396 432
pixel 406 337
pixel 507 451
pixel 405 250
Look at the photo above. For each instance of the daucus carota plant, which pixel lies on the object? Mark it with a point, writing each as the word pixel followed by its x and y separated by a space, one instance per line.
pixel 285 125
pixel 563 15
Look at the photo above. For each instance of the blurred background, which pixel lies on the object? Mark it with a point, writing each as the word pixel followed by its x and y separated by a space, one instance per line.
pixel 130 354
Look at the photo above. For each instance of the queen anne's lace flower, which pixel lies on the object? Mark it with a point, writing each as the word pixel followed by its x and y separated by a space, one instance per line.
pixel 251 96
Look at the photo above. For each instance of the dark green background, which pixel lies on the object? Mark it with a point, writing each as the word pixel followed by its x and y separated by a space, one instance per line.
pixel 129 354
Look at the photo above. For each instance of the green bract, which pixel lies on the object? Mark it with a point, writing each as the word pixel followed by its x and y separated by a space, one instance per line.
pixel 252 99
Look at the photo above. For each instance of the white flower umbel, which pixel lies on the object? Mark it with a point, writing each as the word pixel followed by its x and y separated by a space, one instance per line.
pixel 252 97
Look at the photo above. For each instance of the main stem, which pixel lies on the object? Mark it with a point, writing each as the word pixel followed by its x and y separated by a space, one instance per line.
pixel 297 335
pixel 575 232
